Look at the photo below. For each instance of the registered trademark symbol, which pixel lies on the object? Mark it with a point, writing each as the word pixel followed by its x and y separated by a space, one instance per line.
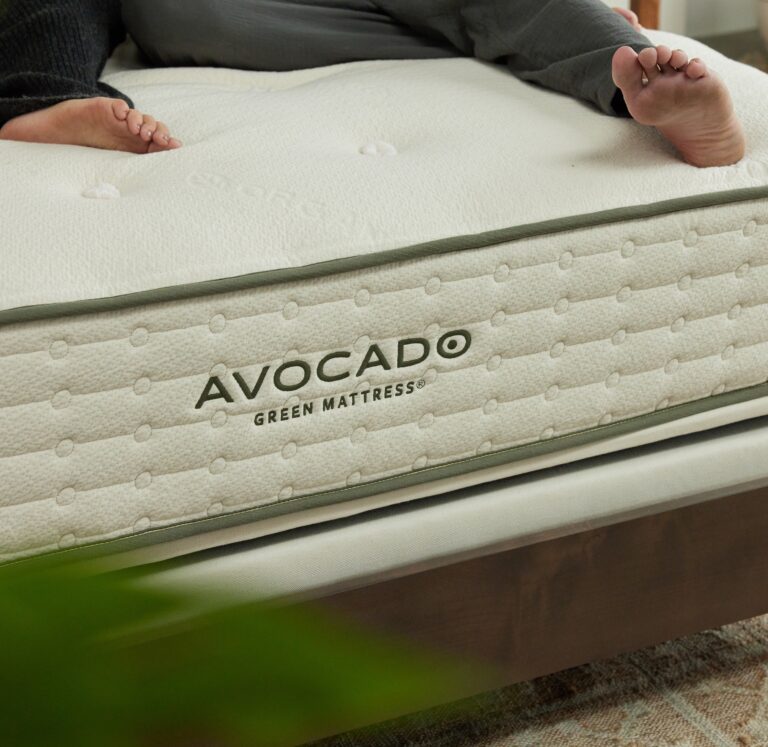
pixel 420 384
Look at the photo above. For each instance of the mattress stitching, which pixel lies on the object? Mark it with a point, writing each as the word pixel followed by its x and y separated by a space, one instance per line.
pixel 548 307
pixel 185 522
pixel 416 287
pixel 581 427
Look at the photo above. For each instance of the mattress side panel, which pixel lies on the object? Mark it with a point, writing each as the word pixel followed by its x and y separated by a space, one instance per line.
pixel 128 422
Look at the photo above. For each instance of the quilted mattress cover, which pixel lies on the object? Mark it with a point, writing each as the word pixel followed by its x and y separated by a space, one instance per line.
pixel 354 282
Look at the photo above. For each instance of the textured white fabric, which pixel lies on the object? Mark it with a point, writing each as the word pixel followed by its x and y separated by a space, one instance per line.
pixel 100 436
pixel 275 173
pixel 506 514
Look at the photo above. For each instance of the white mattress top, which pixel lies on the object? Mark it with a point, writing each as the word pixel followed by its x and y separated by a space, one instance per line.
pixel 288 169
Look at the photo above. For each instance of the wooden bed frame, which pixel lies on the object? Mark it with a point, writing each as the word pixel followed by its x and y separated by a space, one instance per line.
pixel 648 11
pixel 530 611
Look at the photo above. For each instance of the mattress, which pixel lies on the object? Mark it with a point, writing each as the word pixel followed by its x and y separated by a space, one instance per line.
pixel 357 285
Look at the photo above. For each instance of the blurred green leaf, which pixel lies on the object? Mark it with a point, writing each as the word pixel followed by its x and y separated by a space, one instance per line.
pixel 95 659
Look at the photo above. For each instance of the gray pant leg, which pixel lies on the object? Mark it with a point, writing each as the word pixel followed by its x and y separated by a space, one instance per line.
pixel 565 45
pixel 273 34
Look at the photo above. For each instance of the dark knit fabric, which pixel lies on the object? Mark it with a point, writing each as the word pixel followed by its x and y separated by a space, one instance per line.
pixel 55 50
pixel 563 45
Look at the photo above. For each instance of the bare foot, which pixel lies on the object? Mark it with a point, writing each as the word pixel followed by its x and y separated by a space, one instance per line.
pixel 687 103
pixel 631 16
pixel 95 122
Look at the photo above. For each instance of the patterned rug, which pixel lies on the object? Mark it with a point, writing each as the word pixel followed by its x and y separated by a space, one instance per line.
pixel 710 689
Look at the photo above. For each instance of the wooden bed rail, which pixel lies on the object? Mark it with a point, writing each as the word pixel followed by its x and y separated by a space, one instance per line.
pixel 648 11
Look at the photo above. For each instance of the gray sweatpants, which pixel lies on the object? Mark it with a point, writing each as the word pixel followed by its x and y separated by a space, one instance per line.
pixel 565 45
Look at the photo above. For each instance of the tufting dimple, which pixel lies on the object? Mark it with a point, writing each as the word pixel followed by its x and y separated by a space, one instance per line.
pixel 143 481
pixel 678 324
pixel 354 478
pixel 484 447
pixel 362 297
pixel 290 310
pixel 217 323
pixel 691 239
pixel 102 191
pixel 216 508
pixel 566 261
pixel 624 294
pixel 685 283
pixel 552 393
pixel 286 492
pixel 143 433
pixel 735 312
pixel 289 450
pixel 430 376
pixel 65 448
pixel 362 344
pixel 562 306
pixel 547 433
pixel 218 369
pixel 619 337
pixel 219 419
pixel 217 466
pixel 750 229
pixel 139 336
pixel 499 318
pixel 142 524
pixel 61 399
pixel 728 353
pixel 58 349
pixel 490 406
pixel 432 286
pixel 66 496
pixel 718 390
pixel 67 540
pixel 742 270
pixel 142 386
pixel 501 273
pixel 662 404
pixel 378 148
pixel 613 380
pixel 426 420
pixel 628 249
pixel 606 419
pixel 494 362
pixel 557 349
pixel 672 366
pixel 420 462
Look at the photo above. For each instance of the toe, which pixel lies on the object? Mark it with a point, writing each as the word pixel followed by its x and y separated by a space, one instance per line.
pixel 630 15
pixel 148 128
pixel 135 119
pixel 627 72
pixel 648 58
pixel 663 56
pixel 120 109
pixel 162 135
pixel 678 60
pixel 696 69
pixel 173 143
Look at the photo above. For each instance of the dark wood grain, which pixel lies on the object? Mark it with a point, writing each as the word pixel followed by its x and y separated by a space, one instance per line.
pixel 538 609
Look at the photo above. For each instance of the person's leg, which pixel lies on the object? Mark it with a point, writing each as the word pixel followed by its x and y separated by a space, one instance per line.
pixel 52 53
pixel 275 35
pixel 586 50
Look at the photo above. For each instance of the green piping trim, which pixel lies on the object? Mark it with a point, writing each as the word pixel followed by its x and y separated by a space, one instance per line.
pixel 417 477
pixel 364 261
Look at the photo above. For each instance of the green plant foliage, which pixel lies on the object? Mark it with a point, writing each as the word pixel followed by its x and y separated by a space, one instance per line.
pixel 100 660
